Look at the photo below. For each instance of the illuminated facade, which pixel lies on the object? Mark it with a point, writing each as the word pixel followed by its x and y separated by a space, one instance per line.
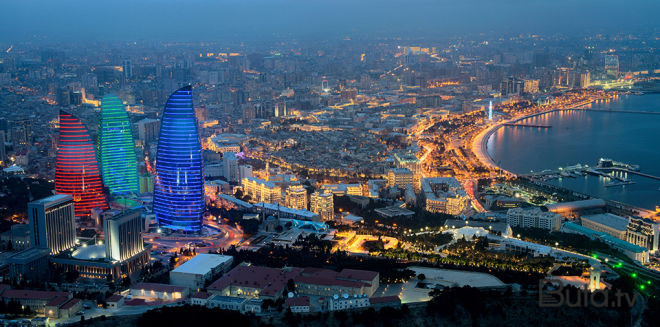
pixel 399 177
pixel 179 184
pixel 76 168
pixel 52 223
pixel 322 204
pixel 296 197
pixel 116 148
pixel 123 235
pixel 260 190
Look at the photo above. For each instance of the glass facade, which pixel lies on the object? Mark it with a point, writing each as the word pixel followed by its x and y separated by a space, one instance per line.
pixel 76 168
pixel 179 184
pixel 116 148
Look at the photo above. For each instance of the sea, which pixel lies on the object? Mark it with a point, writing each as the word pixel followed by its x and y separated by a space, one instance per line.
pixel 584 137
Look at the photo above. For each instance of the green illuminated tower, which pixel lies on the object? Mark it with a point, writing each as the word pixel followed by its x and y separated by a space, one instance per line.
pixel 116 147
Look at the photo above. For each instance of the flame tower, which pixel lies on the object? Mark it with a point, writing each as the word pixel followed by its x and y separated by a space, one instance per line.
pixel 179 185
pixel 76 169
pixel 116 148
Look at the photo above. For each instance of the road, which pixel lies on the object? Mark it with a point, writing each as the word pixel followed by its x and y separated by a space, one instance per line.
pixel 217 236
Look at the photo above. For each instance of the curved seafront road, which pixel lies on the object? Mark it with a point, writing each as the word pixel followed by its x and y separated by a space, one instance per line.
pixel 480 142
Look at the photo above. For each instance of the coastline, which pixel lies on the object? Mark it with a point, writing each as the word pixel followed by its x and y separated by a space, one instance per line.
pixel 480 142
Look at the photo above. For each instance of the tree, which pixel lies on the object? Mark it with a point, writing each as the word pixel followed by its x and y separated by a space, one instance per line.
pixel 290 285
pixel 421 277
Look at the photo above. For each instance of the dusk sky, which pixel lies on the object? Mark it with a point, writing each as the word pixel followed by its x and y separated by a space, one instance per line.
pixel 249 19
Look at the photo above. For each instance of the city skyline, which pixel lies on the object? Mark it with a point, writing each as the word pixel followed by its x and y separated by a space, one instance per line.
pixel 330 163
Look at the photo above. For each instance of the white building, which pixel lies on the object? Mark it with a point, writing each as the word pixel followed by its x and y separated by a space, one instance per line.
pixel 154 291
pixel 244 171
pixel 230 166
pixel 533 218
pixel 53 223
pixel 201 268
pixel 296 197
pixel 322 203
pixel 346 302
pixel 260 190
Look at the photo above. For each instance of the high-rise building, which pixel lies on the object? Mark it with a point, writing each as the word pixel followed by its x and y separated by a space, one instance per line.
pixel 52 223
pixel 296 197
pixel 127 68
pixel 410 161
pixel 531 86
pixel 244 171
pixel 76 168
pixel 399 177
pixel 3 151
pixel 612 65
pixel 230 166
pixel 123 235
pixel 116 148
pixel 148 129
pixel 511 86
pixel 322 204
pixel 179 185
pixel 63 97
pixel 585 79
pixel 280 109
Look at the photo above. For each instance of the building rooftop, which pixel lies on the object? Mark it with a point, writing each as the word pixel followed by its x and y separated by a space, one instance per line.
pixel 297 301
pixel 70 304
pixel 53 198
pixel 158 287
pixel 228 299
pixel 385 299
pixel 270 281
pixel 501 227
pixel 57 301
pixel 32 294
pixel 603 236
pixel 28 255
pixel 90 252
pixel 608 219
pixel 114 298
pixel 393 211
pixel 286 210
pixel 202 263
pixel 576 205
pixel 201 295
pixel 355 274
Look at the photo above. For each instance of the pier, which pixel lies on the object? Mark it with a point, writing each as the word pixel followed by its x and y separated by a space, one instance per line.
pixel 633 172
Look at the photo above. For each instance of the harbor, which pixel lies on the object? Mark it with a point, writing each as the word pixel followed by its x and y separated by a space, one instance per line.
pixel 614 173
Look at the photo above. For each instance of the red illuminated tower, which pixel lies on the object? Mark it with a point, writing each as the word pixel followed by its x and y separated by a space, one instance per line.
pixel 76 170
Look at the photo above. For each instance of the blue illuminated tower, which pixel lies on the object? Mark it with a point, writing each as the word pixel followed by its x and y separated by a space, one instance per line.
pixel 116 148
pixel 490 111
pixel 179 184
